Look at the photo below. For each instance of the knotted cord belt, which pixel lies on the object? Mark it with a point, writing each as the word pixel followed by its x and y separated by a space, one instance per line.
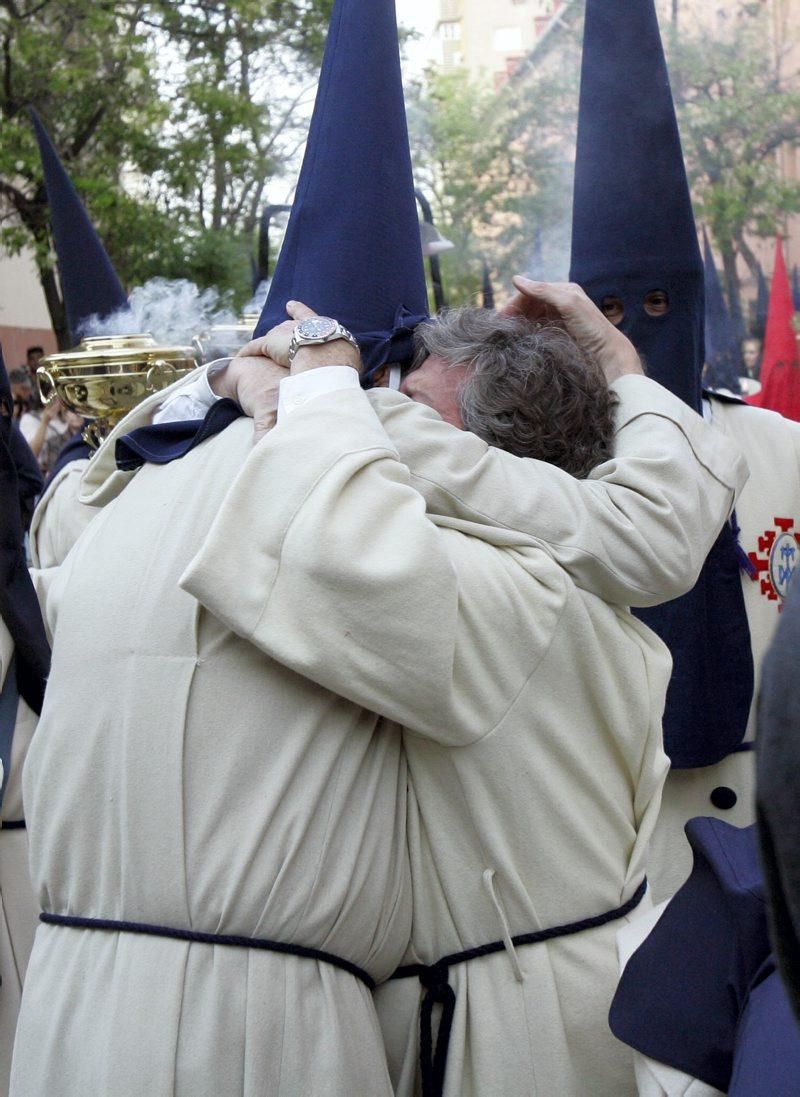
pixel 196 936
pixel 434 978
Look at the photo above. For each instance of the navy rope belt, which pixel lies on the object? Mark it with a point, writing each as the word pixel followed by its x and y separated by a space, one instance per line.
pixel 195 936
pixel 13 824
pixel 434 978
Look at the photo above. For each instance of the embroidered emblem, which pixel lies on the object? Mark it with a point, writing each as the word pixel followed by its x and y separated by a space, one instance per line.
pixel 776 559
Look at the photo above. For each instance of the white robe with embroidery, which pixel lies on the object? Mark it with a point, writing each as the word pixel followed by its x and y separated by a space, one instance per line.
pixel 768 512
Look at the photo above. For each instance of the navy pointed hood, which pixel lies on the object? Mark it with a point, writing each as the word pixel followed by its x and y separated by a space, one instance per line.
pixel 634 239
pixel 352 247
pixel 89 282
pixel 633 229
pixel 723 357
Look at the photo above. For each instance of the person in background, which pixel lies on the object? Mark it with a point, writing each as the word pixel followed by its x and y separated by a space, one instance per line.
pixel 33 356
pixel 751 357
pixel 47 429
pixel 22 391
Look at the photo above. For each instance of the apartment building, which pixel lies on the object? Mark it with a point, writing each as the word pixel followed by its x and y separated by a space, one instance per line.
pixel 490 39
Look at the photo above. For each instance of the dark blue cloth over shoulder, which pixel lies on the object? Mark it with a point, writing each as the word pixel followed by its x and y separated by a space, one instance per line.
pixel 164 442
pixel 767 1059
pixel 699 993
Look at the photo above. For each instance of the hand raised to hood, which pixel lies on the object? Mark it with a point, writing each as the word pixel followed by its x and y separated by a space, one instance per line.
pixel 565 303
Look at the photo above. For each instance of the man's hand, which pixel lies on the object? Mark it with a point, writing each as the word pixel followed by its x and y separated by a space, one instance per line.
pixel 339 352
pixel 275 345
pixel 253 376
pixel 252 380
pixel 566 303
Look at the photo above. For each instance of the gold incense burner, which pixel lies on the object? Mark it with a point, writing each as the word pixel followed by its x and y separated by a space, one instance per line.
pixel 224 340
pixel 105 376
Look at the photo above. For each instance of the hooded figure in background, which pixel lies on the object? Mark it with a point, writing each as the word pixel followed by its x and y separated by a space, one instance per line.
pixel 91 288
pixel 24 666
pixel 635 251
pixel 89 282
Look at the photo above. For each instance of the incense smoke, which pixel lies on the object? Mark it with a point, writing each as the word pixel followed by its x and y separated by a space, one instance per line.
pixel 172 311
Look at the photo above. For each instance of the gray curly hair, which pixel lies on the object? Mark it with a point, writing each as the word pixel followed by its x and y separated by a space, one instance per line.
pixel 530 388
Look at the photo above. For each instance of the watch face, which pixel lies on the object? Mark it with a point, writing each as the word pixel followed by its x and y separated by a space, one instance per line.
pixel 316 327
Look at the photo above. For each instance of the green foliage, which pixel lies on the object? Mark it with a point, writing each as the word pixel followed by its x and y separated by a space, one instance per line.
pixel 735 113
pixel 736 109
pixel 167 115
pixel 495 166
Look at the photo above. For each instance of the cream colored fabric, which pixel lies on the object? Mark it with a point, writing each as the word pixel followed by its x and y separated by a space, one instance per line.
pixel 666 467
pixel 532 715
pixel 181 777
pixel 768 507
pixel 636 532
pixel 59 518
pixel 19 911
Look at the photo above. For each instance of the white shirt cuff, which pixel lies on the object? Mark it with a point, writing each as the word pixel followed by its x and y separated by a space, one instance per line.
pixel 194 400
pixel 296 391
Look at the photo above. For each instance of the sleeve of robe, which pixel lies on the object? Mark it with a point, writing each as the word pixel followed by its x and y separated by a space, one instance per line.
pixel 322 555
pixel 636 532
pixel 60 518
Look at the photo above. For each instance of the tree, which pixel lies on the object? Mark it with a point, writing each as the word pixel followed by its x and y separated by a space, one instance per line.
pixel 165 115
pixel 494 164
pixel 736 109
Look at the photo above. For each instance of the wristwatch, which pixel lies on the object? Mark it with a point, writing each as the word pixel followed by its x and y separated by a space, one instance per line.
pixel 318 329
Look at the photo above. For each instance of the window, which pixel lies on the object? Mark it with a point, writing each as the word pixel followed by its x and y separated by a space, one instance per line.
pixel 508 39
pixel 450 31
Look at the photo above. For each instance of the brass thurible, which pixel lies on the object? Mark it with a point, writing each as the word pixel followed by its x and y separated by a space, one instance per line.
pixel 105 376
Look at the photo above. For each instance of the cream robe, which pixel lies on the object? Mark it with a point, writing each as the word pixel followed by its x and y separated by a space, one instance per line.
pixel 534 786
pixel 19 910
pixel 632 506
pixel 181 777
pixel 634 532
pixel 60 518
pixel 768 511
pixel 58 521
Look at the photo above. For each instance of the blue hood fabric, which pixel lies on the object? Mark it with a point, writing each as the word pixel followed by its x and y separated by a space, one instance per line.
pixel 162 443
pixel 701 993
pixel 88 280
pixel 352 248
pixel 633 234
